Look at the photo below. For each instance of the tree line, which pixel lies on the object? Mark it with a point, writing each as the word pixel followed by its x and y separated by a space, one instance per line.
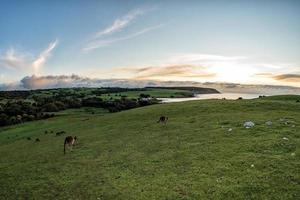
pixel 18 110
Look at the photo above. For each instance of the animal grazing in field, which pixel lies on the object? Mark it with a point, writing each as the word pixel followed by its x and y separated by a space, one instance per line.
pixel 46 132
pixel 163 119
pixel 28 138
pixel 37 140
pixel 60 133
pixel 70 141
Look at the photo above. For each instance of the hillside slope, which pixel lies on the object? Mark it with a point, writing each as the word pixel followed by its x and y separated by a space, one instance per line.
pixel 127 155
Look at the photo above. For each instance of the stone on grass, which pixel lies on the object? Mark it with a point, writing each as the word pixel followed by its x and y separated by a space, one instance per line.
pixel 249 124
pixel 269 123
pixel 285 138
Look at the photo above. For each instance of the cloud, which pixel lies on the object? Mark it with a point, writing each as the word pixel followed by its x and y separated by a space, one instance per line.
pixel 95 44
pixel 290 77
pixel 44 55
pixel 65 81
pixel 203 58
pixel 287 77
pixel 99 40
pixel 14 60
pixel 264 74
pixel 19 60
pixel 168 71
pixel 121 22
pixel 36 82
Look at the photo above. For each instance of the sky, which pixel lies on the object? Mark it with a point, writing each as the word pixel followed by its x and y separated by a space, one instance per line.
pixel 246 42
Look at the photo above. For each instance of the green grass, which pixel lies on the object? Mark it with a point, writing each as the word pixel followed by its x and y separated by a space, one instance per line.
pixel 157 93
pixel 87 92
pixel 127 155
pixel 284 97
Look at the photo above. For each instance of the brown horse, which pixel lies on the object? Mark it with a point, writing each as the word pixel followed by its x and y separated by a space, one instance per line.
pixel 70 141
pixel 163 119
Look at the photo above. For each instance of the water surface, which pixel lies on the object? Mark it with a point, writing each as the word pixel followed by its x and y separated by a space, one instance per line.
pixel 212 96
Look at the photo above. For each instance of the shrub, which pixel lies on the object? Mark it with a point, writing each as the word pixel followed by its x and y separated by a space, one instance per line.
pixel 50 107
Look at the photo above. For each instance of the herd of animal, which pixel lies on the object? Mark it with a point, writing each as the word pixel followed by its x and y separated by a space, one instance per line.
pixel 71 141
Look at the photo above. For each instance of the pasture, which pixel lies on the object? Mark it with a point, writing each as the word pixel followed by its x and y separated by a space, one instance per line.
pixel 128 155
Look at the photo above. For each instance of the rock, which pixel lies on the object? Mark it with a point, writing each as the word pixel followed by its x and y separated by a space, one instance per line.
pixel 285 138
pixel 249 124
pixel 293 154
pixel 230 129
pixel 282 119
pixel 252 165
pixel 269 123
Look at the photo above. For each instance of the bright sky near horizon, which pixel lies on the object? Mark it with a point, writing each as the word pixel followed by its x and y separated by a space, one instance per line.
pixel 253 42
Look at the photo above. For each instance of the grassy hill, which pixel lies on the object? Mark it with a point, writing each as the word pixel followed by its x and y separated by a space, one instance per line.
pixel 127 155
pixel 283 97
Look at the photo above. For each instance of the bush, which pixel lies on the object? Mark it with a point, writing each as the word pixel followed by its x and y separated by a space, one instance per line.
pixel 4 119
pixel 50 107
pixel 142 95
pixel 92 102
pixel 60 105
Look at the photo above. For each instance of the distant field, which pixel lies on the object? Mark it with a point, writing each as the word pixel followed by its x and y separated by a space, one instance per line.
pixel 127 155
pixel 284 98
pixel 134 93
pixel 157 93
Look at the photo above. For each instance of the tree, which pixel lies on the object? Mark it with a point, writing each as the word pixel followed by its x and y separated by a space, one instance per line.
pixel 142 95
pixel 50 107
pixel 4 119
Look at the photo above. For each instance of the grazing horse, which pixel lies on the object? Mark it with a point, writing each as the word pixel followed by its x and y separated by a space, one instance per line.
pixel 163 119
pixel 70 141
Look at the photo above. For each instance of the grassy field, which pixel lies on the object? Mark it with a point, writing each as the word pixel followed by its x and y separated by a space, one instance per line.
pixel 127 155
pixel 157 93
pixel 153 92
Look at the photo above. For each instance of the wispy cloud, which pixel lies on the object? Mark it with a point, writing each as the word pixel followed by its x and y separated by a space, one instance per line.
pixel 281 77
pixel 203 58
pixel 20 60
pixel 100 39
pixel 287 77
pixel 13 59
pixel 106 42
pixel 167 72
pixel 121 22
pixel 44 55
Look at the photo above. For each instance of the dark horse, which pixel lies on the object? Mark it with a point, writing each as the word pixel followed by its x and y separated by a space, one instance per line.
pixel 70 141
pixel 163 119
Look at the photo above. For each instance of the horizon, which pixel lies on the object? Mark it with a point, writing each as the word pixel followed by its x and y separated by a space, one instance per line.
pixel 247 43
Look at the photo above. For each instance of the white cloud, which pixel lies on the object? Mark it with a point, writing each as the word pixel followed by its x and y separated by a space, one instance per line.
pixel 44 55
pixel 24 61
pixel 13 59
pixel 207 58
pixel 106 42
pixel 121 22
pixel 98 40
